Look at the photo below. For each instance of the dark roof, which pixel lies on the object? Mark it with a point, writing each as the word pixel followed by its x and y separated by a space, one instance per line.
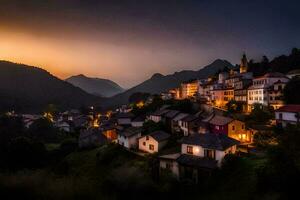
pixel 125 115
pixel 195 161
pixel 130 131
pixel 189 118
pixel 160 112
pixel 171 114
pixel 273 75
pixel 159 135
pixel 289 108
pixel 210 141
pixel 220 120
pixel 140 118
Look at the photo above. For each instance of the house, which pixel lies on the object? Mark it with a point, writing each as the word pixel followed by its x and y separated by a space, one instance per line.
pixel 276 94
pixel 219 124
pixel 153 142
pixel 109 130
pixel 202 153
pixel 169 162
pixel 188 89
pixel 157 115
pixel 124 118
pixel 63 126
pixel 138 121
pixel 187 123
pixel 129 137
pixel 221 96
pixel 231 127
pixel 288 114
pixel 176 122
pixel 91 138
pixel 259 91
pixel 241 92
pixel 168 117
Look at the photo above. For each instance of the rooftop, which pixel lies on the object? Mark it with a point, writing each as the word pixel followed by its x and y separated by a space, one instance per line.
pixel 196 161
pixel 130 131
pixel 159 135
pixel 211 141
pixel 220 120
pixel 289 108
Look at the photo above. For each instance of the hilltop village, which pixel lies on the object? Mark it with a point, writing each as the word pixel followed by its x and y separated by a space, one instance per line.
pixel 190 129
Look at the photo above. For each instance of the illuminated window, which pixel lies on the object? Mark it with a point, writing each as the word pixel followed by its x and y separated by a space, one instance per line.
pixel 151 147
pixel 209 153
pixel 189 149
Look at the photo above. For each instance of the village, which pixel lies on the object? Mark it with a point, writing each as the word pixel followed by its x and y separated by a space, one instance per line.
pixel 190 129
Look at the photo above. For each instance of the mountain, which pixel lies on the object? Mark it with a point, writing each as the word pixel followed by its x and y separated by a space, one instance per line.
pixel 159 83
pixel 28 88
pixel 95 86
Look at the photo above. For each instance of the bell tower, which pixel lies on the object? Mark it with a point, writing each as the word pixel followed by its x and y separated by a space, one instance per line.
pixel 244 64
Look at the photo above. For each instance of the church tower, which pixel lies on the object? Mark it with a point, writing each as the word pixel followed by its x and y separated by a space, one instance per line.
pixel 244 64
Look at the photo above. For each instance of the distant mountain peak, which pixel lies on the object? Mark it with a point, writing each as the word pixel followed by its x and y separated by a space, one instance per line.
pixel 157 75
pixel 96 86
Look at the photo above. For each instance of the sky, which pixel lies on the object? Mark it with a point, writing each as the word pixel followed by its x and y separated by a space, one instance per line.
pixel 129 40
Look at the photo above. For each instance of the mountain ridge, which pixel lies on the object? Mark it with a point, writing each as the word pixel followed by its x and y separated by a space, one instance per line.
pixel 29 89
pixel 158 83
pixel 96 86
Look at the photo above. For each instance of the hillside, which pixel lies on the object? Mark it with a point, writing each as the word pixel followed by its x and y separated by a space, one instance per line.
pixel 96 86
pixel 27 88
pixel 159 83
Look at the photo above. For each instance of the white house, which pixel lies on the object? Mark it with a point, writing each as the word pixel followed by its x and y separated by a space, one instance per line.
pixel 157 115
pixel 208 146
pixel 288 114
pixel 258 92
pixel 129 137
pixel 153 142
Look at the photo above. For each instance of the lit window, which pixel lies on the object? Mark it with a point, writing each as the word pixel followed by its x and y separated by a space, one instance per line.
pixel 189 149
pixel 151 147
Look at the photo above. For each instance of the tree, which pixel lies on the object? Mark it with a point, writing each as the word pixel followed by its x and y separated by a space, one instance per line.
pixel 290 94
pixel 25 153
pixel 260 114
pixel 138 96
pixel 234 106
pixel 43 130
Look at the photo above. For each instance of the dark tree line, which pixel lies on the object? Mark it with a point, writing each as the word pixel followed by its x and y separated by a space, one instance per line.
pixel 283 63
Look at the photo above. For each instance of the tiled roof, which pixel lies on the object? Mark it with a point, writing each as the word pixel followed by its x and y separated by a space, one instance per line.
pixel 160 112
pixel 159 135
pixel 195 161
pixel 289 108
pixel 140 118
pixel 210 141
pixel 171 114
pixel 130 131
pixel 189 118
pixel 220 120
pixel 180 116
pixel 273 75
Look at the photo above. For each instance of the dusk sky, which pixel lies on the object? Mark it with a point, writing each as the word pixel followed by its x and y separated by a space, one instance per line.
pixel 128 41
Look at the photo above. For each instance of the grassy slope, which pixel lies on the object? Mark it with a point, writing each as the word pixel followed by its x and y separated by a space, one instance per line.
pixel 106 172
